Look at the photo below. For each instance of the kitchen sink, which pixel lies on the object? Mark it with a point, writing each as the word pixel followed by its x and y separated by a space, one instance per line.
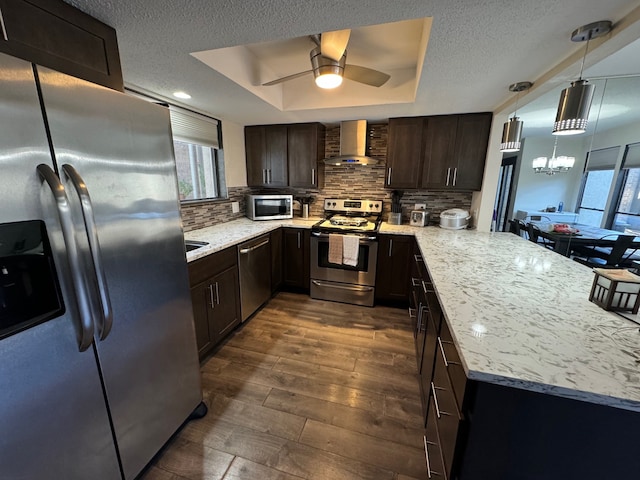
pixel 194 244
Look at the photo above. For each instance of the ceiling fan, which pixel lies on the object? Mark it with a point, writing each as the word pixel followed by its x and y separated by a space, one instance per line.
pixel 329 63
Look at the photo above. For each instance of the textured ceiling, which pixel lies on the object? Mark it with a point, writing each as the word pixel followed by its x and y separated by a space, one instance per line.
pixel 476 50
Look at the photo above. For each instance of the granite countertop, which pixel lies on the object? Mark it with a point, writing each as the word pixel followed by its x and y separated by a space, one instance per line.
pixel 519 313
pixel 232 233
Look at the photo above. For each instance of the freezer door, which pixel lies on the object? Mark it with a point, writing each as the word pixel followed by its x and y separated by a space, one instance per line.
pixel 122 151
pixel 53 419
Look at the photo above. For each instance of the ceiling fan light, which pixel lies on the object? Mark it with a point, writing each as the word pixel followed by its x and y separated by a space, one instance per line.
pixel 328 80
pixel 511 135
pixel 573 108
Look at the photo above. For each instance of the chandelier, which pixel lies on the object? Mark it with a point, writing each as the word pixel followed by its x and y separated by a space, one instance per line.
pixel 553 165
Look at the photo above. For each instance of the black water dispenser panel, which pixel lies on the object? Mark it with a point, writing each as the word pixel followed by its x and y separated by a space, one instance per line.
pixel 29 288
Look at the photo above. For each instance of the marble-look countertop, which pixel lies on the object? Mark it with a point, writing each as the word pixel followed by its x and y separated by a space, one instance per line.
pixel 232 233
pixel 520 314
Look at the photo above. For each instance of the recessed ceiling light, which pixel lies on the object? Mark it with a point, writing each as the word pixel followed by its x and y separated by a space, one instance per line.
pixel 181 94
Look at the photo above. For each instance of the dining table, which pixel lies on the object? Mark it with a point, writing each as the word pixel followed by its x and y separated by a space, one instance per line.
pixel 582 235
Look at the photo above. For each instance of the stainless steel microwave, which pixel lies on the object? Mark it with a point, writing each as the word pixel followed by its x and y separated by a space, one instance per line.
pixel 269 207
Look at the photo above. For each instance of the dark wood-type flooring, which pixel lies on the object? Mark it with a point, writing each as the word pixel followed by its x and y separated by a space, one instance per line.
pixel 306 389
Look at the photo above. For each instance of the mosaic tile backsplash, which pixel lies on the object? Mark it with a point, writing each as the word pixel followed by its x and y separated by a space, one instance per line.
pixel 340 182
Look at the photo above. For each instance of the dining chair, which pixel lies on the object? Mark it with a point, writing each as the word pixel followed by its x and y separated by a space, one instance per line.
pixel 535 237
pixel 518 227
pixel 619 256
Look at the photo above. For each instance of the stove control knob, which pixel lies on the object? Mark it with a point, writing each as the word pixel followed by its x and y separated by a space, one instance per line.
pixel 334 204
pixel 377 206
pixel 371 205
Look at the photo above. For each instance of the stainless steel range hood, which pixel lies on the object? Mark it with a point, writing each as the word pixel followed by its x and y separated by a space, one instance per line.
pixel 353 142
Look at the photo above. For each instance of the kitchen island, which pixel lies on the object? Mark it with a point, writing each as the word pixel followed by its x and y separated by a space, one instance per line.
pixel 553 382
pixel 519 314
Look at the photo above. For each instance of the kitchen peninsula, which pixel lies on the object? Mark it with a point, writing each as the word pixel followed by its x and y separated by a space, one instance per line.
pixel 522 323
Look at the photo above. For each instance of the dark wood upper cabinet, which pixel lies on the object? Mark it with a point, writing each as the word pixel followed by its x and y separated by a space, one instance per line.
pixel 472 138
pixel 56 35
pixel 255 151
pixel 276 155
pixel 285 155
pixel 305 150
pixel 404 152
pixel 439 137
pixel 438 152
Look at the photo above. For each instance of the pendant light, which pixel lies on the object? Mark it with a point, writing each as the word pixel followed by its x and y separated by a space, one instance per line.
pixel 512 130
pixel 575 101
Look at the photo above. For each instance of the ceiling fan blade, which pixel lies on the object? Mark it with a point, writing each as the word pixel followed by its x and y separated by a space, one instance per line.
pixel 365 75
pixel 333 44
pixel 287 78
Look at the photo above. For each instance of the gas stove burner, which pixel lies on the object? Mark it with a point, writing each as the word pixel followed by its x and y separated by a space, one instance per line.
pixel 341 220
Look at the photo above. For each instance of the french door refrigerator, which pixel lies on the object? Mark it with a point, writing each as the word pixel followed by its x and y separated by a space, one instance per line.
pixel 98 360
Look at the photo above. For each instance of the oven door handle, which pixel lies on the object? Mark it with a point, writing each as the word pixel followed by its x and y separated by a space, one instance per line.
pixel 326 235
pixel 353 288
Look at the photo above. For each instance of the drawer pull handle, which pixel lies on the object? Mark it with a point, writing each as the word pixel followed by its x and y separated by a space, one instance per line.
pixel 444 357
pixel 4 30
pixel 415 282
pixel 412 315
pixel 435 400
pixel 426 456
pixel 211 300
pixel 418 258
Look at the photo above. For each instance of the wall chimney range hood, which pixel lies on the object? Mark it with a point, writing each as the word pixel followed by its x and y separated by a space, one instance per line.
pixel 353 142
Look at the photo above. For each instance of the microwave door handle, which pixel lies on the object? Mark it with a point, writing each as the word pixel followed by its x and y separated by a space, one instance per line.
pixel 85 335
pixel 106 318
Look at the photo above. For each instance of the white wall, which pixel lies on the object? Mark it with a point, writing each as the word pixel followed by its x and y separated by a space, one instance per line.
pixel 234 154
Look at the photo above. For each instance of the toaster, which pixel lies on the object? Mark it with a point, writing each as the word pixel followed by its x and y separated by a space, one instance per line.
pixel 419 218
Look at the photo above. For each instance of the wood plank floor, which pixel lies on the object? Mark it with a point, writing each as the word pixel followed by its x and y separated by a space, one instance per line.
pixel 306 389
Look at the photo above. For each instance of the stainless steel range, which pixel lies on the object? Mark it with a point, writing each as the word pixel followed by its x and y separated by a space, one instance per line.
pixel 344 250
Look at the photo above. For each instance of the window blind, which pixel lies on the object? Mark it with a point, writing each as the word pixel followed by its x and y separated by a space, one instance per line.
pixel 603 159
pixel 632 156
pixel 192 127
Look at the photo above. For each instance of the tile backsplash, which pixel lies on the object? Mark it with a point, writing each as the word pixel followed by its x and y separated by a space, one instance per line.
pixel 340 182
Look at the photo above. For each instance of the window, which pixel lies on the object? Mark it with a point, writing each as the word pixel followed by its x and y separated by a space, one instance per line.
pixel 596 185
pixel 627 212
pixel 199 162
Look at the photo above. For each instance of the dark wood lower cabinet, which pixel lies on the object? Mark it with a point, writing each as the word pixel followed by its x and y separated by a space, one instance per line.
pixel 276 260
pixel 476 430
pixel 215 295
pixel 393 269
pixel 295 256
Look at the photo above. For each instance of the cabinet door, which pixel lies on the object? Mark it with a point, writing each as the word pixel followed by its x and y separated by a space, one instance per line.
pixel 404 152
pixel 439 149
pixel 255 150
pixel 305 148
pixel 56 35
pixel 225 313
pixel 276 260
pixel 276 155
pixel 200 299
pixel 472 139
pixel 296 258
pixel 393 270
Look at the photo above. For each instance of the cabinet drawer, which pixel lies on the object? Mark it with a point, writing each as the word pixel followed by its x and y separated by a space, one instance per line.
pixel 447 413
pixel 432 452
pixel 203 268
pixel 452 361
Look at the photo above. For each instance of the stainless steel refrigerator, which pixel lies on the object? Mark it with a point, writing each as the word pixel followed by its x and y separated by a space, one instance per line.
pixel 98 360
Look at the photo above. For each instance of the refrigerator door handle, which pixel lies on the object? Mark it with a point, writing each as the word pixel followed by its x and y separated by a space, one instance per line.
pixel 106 319
pixel 85 336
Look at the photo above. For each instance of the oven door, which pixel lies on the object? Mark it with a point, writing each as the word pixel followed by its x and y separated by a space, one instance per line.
pixel 343 283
